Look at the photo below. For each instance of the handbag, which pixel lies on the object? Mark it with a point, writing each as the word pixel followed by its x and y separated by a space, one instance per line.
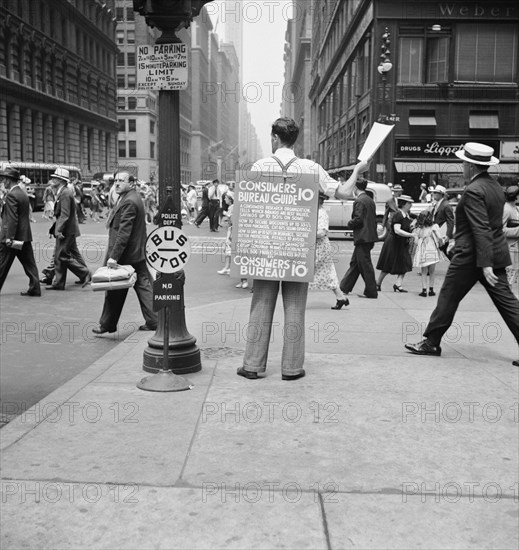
pixel 113 278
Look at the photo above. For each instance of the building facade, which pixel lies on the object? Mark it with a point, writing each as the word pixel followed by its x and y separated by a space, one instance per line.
pixel 443 73
pixel 57 76
pixel 298 72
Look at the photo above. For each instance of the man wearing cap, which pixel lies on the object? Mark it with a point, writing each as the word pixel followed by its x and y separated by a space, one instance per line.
pixel 66 229
pixel 480 252
pixel 364 224
pixel 15 234
pixel 443 214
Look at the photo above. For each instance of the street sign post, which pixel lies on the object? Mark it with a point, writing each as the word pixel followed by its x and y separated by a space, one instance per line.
pixel 165 65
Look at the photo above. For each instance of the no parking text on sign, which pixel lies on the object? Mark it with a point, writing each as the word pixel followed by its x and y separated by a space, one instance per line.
pixel 162 67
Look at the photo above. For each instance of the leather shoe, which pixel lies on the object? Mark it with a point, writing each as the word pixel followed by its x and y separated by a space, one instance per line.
pixel 369 297
pixel 30 293
pixel 146 327
pixel 247 374
pixel 515 363
pixel 424 348
pixel 52 287
pixel 101 330
pixel 293 376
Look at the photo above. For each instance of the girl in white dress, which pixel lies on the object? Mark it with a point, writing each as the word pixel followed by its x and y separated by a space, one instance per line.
pixel 427 235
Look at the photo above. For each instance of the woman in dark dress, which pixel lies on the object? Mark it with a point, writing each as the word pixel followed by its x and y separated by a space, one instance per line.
pixel 395 257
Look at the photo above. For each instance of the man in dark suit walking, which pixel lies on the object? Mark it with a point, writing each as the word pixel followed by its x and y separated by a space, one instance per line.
pixel 66 229
pixel 480 253
pixel 364 224
pixel 443 214
pixel 214 206
pixel 16 235
pixel 127 246
pixel 204 209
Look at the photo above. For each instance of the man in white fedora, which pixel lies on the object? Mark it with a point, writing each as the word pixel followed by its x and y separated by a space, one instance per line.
pixel 443 214
pixel 66 229
pixel 480 252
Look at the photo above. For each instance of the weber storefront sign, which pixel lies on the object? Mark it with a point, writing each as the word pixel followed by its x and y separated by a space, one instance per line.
pixel 437 149
pixel 162 67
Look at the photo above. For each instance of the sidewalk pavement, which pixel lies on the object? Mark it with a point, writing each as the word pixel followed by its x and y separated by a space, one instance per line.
pixel 375 448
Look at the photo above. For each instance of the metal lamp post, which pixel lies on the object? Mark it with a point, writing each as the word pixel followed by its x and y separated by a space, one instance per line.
pixel 172 347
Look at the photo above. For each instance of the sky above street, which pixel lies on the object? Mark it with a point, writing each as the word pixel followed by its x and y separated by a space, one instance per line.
pixel 264 27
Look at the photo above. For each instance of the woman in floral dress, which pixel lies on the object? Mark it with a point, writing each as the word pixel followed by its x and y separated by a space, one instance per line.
pixel 325 276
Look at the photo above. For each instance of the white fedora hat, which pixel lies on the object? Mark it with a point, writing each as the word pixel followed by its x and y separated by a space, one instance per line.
pixel 61 173
pixel 440 189
pixel 477 153
pixel 405 198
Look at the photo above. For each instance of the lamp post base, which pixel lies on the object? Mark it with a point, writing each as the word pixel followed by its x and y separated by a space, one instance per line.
pixel 180 360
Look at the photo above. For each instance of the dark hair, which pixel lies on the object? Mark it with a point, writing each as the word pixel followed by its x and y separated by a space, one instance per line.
pixel 401 202
pixel 216 181
pixel 361 184
pixel 286 129
pixel 425 219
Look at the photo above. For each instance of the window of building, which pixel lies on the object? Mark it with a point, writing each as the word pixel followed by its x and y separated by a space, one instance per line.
pixel 486 52
pixel 120 36
pixel 121 81
pixel 132 125
pixel 423 56
pixel 132 103
pixel 119 14
pixel 122 125
pixel 438 59
pixel 131 59
pixel 122 148
pixel 410 60
pixel 120 59
pixel 152 126
pixel 121 103
pixel 132 149
pixel 132 80
pixel 130 14
pixel 152 150
pixel 130 37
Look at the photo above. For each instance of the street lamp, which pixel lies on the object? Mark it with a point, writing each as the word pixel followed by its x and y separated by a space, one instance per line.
pixel 383 68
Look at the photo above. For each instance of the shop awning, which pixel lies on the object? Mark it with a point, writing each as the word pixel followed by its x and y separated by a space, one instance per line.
pixel 454 167
pixel 483 121
pixel 422 120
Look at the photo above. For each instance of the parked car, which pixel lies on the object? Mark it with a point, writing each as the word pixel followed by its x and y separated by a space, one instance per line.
pixel 340 211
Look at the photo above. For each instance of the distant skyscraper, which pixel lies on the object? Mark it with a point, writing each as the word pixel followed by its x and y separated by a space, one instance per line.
pixel 231 18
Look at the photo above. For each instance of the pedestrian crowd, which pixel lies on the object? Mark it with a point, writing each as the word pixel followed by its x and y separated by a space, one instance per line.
pixel 481 243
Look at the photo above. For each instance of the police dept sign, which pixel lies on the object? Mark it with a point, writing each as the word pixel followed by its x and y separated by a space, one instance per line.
pixel 274 226
pixel 162 67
